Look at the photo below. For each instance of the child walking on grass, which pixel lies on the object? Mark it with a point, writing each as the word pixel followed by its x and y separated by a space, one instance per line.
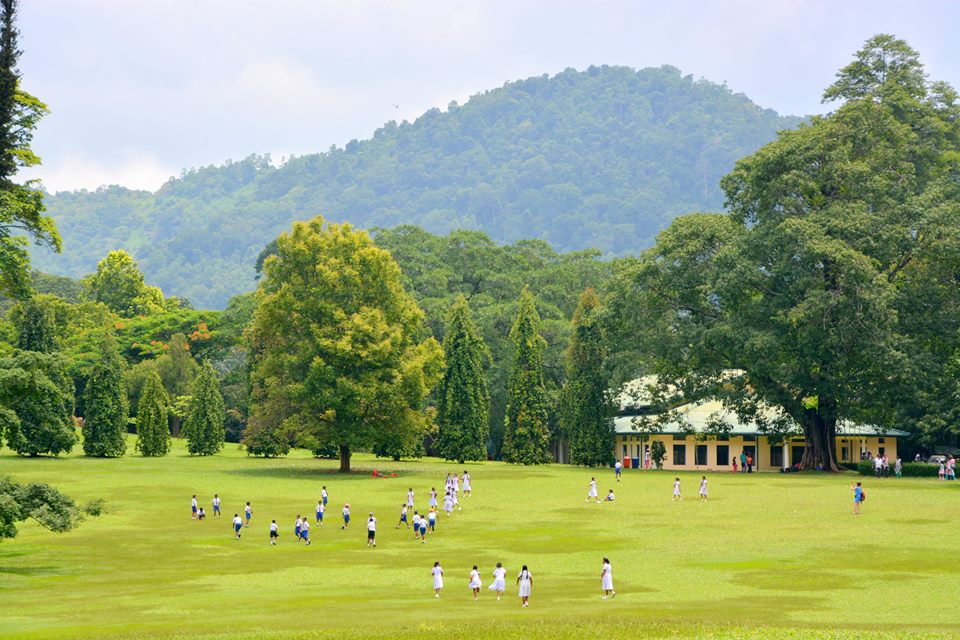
pixel 437 579
pixel 676 489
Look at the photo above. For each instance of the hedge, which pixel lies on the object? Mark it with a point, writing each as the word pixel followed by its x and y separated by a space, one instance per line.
pixel 910 469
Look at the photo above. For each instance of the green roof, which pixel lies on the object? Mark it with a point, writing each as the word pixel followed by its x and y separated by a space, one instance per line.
pixel 700 417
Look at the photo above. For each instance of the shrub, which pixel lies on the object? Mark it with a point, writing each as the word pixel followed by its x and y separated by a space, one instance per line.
pixel 910 469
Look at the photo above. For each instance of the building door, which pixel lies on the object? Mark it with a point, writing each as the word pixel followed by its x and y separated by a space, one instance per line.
pixel 796 454
pixel 723 455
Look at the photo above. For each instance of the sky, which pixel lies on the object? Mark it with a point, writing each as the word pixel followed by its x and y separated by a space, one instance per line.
pixel 140 89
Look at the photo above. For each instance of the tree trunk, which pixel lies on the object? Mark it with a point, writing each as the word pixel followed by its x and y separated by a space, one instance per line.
pixel 345 459
pixel 820 450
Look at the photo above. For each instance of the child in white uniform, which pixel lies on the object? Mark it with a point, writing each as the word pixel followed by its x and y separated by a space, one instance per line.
pixel 703 487
pixel 403 517
pixel 305 531
pixel 216 506
pixel 371 530
pixel 416 525
pixel 475 583
pixel 273 532
pixel 525 580
pixel 606 580
pixel 410 498
pixel 676 489
pixel 237 525
pixel 437 579
pixel 448 503
pixel 593 491
pixel 433 497
pixel 466 484
pixel 499 580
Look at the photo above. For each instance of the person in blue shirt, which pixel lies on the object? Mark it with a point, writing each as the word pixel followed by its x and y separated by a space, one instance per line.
pixel 857 497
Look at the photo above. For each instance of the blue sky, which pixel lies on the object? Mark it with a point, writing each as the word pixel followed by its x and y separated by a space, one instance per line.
pixel 140 89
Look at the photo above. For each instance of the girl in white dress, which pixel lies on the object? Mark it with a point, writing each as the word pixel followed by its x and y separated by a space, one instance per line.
pixel 499 580
pixel 466 484
pixel 525 580
pixel 410 498
pixel 593 491
pixel 475 583
pixel 437 579
pixel 703 488
pixel 448 503
pixel 606 580
pixel 676 489
pixel 456 502
pixel 433 497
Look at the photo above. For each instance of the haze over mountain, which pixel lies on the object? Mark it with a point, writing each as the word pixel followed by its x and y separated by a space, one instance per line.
pixel 601 158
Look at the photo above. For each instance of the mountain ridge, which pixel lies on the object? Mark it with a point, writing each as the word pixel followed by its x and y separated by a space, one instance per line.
pixel 601 158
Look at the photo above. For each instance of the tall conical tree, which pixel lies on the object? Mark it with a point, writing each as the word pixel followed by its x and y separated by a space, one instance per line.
pixel 526 435
pixel 588 412
pixel 153 432
pixel 106 405
pixel 203 426
pixel 463 398
pixel 33 319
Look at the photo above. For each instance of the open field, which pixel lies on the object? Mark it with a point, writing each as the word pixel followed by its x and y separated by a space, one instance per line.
pixel 769 556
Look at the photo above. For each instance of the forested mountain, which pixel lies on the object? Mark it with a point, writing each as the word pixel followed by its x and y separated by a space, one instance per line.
pixel 602 158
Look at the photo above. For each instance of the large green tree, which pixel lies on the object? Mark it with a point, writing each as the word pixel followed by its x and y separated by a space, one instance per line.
pixel 587 415
pixel 830 291
pixel 339 348
pixel 36 404
pixel 463 399
pixel 153 430
pixel 118 283
pixel 21 204
pixel 527 434
pixel 203 425
pixel 178 369
pixel 106 408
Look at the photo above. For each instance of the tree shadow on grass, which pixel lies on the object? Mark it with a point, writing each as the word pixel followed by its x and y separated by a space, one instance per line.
pixel 31 571
pixel 301 472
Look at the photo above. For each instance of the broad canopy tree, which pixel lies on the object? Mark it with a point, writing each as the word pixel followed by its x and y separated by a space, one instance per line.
pixel 340 353
pixel 830 289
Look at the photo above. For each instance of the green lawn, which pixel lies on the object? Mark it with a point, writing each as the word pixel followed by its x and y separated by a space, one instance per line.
pixel 769 556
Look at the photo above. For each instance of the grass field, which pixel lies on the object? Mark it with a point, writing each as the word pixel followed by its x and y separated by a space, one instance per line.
pixel 769 556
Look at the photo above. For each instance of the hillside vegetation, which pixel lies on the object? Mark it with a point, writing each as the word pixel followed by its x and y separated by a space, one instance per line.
pixel 602 158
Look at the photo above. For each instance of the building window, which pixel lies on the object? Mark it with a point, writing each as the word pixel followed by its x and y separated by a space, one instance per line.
pixel 679 454
pixel 881 440
pixel 844 454
pixel 881 451
pixel 701 455
pixel 723 455
pixel 776 456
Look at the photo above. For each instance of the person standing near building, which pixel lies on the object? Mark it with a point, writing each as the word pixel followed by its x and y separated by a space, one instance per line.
pixel 618 469
pixel 857 497
pixel 606 580
pixel 703 488
pixel 676 489
pixel 592 493
pixel 749 463
pixel 437 579
pixel 475 583
pixel 525 581
pixel 898 467
pixel 743 461
pixel 877 465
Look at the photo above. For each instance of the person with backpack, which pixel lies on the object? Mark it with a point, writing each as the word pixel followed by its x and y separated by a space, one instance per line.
pixel 858 497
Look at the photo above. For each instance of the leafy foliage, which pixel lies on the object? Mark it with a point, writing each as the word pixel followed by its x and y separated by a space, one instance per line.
pixel 153 430
pixel 601 158
pixel 106 407
pixel 36 403
pixel 658 453
pixel 587 415
pixel 21 205
pixel 463 399
pixel 38 502
pixel 34 322
pixel 527 437
pixel 339 349
pixel 118 283
pixel 832 284
pixel 203 425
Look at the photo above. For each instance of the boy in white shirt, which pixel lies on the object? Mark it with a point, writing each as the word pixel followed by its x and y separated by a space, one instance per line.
pixel 371 530
pixel 237 525
pixel 305 531
pixel 273 533
pixel 216 506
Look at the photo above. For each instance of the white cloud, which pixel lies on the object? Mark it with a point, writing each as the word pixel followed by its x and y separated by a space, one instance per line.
pixel 135 171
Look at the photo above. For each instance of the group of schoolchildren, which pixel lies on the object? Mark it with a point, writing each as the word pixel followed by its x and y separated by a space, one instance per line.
pixel 524 582
pixel 422 524
pixel 948 469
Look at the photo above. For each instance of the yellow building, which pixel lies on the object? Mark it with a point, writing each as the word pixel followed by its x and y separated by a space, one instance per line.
pixel 689 448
